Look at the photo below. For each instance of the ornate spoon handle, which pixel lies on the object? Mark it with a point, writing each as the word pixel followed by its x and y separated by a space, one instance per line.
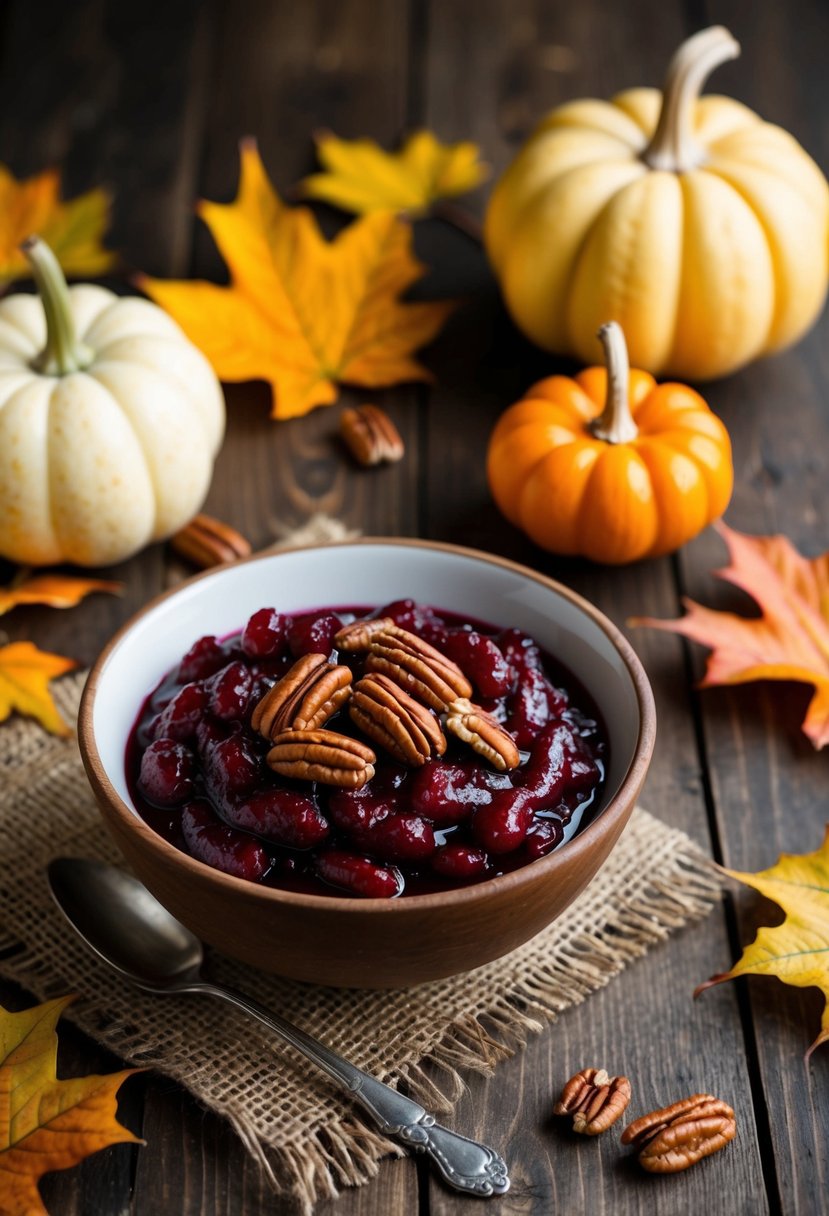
pixel 464 1164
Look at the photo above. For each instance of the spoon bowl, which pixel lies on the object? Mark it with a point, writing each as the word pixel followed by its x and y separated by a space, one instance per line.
pixel 124 924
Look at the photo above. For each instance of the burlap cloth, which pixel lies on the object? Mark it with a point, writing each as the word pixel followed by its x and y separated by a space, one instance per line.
pixel 310 1142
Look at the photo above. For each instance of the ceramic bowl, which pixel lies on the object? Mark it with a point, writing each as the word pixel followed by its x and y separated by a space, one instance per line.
pixel 367 942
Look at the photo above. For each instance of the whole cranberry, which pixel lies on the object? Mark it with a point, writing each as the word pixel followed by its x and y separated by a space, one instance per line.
pixel 480 660
pixel 355 813
pixel 400 837
pixel 232 767
pixel 180 718
pixel 222 847
pixel 358 875
pixel 446 793
pixel 529 708
pixel 502 826
pixel 313 633
pixel 542 838
pixel 519 650
pixel 284 816
pixel 229 692
pixel 459 861
pixel 417 619
pixel 167 773
pixel 558 766
pixel 203 658
pixel 265 635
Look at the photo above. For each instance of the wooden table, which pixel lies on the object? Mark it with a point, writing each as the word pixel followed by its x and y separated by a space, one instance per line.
pixel 152 99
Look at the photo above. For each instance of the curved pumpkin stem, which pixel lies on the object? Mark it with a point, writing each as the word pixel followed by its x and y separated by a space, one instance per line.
pixel 673 147
pixel 63 353
pixel 615 423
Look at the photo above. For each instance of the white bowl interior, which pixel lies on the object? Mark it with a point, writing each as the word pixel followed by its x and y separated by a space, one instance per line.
pixel 366 575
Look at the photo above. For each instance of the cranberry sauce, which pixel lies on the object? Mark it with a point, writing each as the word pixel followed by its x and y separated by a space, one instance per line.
pixel 198 773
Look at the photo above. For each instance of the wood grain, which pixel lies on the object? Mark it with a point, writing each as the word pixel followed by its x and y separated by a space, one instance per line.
pixel 153 100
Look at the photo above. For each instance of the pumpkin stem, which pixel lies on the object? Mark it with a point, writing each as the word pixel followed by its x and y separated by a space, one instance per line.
pixel 673 147
pixel 63 353
pixel 615 423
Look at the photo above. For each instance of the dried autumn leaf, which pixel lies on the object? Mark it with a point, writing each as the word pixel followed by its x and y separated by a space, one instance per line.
pixel 790 641
pixel 25 673
pixel 73 229
pixel 303 313
pixel 361 177
pixel 54 590
pixel 47 1124
pixel 797 952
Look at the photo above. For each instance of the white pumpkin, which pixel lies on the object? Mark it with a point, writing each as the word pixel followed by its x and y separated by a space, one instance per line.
pixel 110 420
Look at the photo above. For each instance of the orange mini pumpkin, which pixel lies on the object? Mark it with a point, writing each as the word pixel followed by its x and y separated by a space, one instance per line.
pixel 609 465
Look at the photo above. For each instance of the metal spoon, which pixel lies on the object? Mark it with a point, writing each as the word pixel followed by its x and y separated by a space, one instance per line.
pixel 121 922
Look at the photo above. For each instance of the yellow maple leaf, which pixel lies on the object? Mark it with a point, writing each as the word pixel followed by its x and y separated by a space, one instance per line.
pixel 361 177
pixel 303 313
pixel 797 952
pixel 47 1124
pixel 25 673
pixel 54 590
pixel 73 229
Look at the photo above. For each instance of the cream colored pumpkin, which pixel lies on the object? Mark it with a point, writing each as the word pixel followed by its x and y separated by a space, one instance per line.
pixel 109 424
pixel 698 227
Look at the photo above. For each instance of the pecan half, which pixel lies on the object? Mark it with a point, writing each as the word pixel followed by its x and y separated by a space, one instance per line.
pixel 357 636
pixel 395 721
pixel 677 1136
pixel 482 732
pixel 370 435
pixel 324 756
pixel 304 699
pixel 417 667
pixel 594 1099
pixel 208 542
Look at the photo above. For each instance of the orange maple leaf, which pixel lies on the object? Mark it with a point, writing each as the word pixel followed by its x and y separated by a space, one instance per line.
pixel 797 951
pixel 301 312
pixel 790 641
pixel 54 590
pixel 73 229
pixel 47 1124
pixel 25 673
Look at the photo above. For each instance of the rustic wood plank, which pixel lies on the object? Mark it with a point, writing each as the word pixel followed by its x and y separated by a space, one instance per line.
pixel 768 785
pixel 644 1024
pixel 304 67
pixel 96 89
pixel 341 66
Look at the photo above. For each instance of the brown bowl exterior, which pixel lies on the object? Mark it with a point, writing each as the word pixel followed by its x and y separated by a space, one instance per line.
pixel 373 943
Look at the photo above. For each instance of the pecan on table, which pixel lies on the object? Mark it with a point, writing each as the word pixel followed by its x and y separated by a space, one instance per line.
pixel 483 733
pixel 677 1136
pixel 324 756
pixel 357 636
pixel 305 698
pixel 420 669
pixel 395 721
pixel 594 1099
pixel 208 542
pixel 370 435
